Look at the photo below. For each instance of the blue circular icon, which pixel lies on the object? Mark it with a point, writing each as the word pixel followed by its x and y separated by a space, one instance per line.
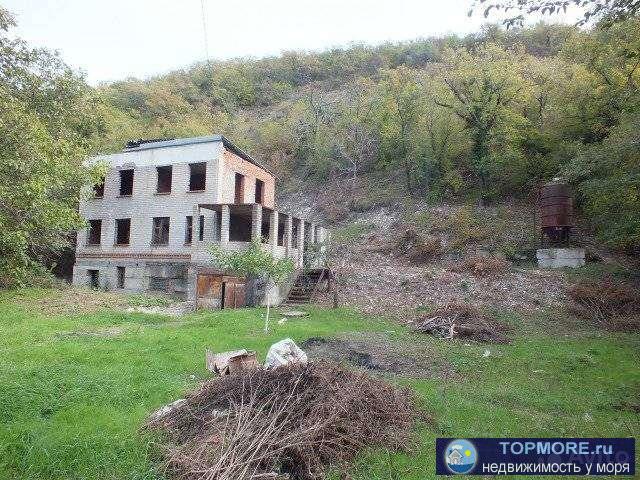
pixel 460 456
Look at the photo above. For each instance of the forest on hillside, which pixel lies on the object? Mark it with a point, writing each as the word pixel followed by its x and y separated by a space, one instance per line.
pixel 480 118
pixel 487 116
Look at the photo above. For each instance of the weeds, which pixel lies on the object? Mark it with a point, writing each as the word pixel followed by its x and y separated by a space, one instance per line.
pixel 483 266
pixel 351 232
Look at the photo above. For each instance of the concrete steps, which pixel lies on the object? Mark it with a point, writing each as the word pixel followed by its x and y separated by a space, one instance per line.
pixel 304 287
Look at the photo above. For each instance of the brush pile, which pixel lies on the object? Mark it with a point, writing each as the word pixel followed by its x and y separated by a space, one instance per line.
pixel 461 320
pixel 612 304
pixel 290 422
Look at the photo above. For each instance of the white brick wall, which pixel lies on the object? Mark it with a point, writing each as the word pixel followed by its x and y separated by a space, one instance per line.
pixel 141 259
pixel 145 204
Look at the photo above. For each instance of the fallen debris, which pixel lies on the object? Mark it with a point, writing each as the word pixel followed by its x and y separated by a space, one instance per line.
pixel 165 410
pixel 231 363
pixel 461 320
pixel 412 246
pixel 483 266
pixel 296 422
pixel 284 352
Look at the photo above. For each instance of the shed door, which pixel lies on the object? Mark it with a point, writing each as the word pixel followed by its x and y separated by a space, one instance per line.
pixel 234 293
pixel 209 291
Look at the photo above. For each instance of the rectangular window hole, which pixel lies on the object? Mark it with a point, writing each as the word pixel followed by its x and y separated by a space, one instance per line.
pixel 123 231
pixel 126 182
pixel 95 232
pixel 197 176
pixel 164 179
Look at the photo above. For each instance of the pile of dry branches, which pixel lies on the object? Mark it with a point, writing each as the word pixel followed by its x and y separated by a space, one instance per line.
pixel 461 320
pixel 611 304
pixel 290 422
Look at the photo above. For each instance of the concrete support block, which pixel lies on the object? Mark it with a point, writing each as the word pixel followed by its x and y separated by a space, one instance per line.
pixel 288 228
pixel 312 233
pixel 256 222
pixel 561 257
pixel 273 231
pixel 195 217
pixel 225 220
pixel 209 233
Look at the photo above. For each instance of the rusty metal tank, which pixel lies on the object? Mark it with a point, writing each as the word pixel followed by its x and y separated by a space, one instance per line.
pixel 555 204
pixel 555 210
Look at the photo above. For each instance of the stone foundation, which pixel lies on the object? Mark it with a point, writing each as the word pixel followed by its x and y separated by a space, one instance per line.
pixel 561 257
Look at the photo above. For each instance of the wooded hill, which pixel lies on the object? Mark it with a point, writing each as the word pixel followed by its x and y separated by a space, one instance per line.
pixel 485 116
pixel 480 118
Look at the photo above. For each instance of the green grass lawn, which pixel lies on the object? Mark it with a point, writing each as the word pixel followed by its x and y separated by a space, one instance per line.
pixel 75 389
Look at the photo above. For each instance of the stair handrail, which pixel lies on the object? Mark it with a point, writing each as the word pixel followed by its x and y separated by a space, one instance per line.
pixel 315 288
pixel 296 274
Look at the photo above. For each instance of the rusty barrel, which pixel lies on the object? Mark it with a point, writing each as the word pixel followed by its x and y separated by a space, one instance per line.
pixel 555 205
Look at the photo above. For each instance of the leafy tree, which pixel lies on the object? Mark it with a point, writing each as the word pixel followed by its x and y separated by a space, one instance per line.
pixel 47 124
pixel 402 100
pixel 254 262
pixel 607 179
pixel 483 91
pixel 608 11
pixel 355 139
pixel 445 143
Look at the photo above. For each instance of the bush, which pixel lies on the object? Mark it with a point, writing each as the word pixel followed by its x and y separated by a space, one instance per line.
pixel 425 250
pixel 464 226
pixel 350 233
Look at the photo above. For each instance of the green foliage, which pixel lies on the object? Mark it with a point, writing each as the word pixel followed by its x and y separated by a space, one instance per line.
pixel 466 225
pixel 350 233
pixel 516 11
pixel 607 178
pixel 254 261
pixel 47 123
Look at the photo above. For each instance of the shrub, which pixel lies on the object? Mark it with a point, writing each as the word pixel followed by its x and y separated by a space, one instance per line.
pixel 351 232
pixel 425 250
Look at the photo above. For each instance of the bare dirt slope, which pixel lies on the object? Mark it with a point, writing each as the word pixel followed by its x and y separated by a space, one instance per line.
pixel 379 273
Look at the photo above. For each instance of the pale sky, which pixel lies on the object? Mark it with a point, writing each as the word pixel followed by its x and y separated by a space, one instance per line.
pixel 115 39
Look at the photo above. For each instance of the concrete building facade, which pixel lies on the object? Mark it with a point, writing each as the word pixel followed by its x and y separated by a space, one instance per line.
pixel 163 203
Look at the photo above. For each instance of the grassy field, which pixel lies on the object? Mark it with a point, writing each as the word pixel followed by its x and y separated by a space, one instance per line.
pixel 76 385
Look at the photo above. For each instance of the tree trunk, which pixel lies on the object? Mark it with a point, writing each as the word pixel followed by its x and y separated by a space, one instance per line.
pixel 266 320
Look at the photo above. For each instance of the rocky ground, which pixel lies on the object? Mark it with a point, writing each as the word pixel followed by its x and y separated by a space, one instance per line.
pixel 382 283
pixel 375 274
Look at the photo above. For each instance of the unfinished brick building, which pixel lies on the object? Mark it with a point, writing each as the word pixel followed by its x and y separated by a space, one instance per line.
pixel 161 206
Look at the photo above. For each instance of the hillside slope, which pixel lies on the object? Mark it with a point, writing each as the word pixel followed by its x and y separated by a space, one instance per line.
pixel 482 118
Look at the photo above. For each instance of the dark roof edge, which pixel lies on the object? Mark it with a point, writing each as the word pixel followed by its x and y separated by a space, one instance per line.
pixel 234 149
